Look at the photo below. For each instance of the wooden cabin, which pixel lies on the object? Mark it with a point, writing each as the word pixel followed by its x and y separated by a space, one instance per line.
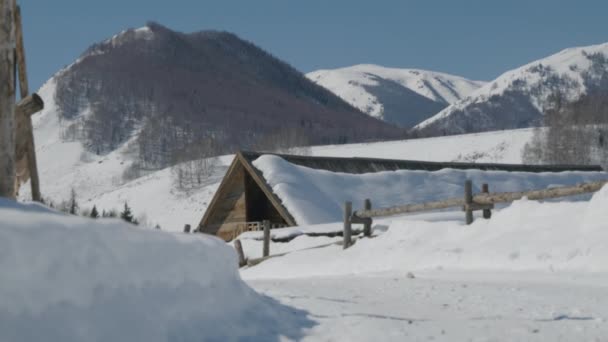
pixel 244 199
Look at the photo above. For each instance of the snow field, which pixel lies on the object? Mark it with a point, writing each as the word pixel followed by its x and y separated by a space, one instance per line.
pixel 449 306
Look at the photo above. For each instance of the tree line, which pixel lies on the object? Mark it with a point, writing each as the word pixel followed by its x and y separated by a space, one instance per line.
pixel 573 132
pixel 72 207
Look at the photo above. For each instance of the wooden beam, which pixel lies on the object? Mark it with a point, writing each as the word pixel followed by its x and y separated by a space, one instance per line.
pixel 24 91
pixel 556 192
pixel 7 100
pixel 266 249
pixel 487 213
pixel 204 223
pixel 23 84
pixel 239 251
pixel 480 200
pixel 25 108
pixel 468 200
pixel 410 208
pixel 29 105
pixel 348 228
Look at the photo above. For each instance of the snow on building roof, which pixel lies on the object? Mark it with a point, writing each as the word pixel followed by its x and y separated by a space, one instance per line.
pixel 294 190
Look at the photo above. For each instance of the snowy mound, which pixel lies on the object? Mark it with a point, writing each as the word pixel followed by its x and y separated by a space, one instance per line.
pixel 66 278
pixel 316 196
pixel 526 236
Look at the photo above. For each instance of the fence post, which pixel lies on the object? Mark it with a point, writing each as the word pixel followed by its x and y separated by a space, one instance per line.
pixel 348 211
pixel 468 200
pixel 487 213
pixel 7 100
pixel 367 226
pixel 239 251
pixel 266 250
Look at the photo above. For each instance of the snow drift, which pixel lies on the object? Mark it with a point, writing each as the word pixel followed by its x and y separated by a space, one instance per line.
pixel 526 236
pixel 67 278
pixel 316 196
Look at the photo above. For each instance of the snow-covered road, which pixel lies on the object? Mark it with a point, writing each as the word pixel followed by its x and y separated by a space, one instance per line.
pixel 447 306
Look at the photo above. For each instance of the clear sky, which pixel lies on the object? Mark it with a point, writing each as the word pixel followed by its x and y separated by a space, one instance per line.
pixel 475 39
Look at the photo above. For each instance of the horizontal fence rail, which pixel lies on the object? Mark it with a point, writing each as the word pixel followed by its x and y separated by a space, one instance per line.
pixel 484 198
pixel 483 201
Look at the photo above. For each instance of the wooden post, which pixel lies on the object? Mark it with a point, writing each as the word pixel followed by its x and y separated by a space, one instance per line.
pixel 367 226
pixel 239 251
pixel 24 91
pixel 187 228
pixel 487 213
pixel 20 51
pixel 7 100
pixel 266 250
pixel 348 211
pixel 468 201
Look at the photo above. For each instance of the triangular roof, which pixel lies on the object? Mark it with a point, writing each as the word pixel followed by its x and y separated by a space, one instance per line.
pixel 244 159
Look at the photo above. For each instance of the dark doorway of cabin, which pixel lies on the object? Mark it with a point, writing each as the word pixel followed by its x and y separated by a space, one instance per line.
pixel 258 205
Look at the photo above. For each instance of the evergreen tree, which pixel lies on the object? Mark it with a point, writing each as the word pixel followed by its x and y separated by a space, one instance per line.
pixel 127 215
pixel 73 203
pixel 94 213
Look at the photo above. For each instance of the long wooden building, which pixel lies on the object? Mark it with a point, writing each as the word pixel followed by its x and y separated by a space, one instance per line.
pixel 244 198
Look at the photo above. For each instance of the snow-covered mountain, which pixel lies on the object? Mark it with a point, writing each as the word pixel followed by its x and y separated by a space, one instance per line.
pixel 519 97
pixel 181 92
pixel 400 96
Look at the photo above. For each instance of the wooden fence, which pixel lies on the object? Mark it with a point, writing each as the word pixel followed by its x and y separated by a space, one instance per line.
pixel 469 202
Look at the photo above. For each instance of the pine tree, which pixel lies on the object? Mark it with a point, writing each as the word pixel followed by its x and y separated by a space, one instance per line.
pixel 73 203
pixel 94 213
pixel 126 214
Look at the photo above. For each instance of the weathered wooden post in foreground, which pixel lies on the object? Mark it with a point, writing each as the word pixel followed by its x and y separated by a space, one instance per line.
pixel 28 130
pixel 348 211
pixel 367 226
pixel 468 201
pixel 239 251
pixel 487 213
pixel 7 99
pixel 266 251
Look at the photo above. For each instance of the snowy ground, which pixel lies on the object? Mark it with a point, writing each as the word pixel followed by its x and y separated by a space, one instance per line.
pixel 67 278
pixel 534 272
pixel 446 306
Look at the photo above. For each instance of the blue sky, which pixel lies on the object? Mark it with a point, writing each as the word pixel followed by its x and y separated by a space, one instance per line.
pixel 475 39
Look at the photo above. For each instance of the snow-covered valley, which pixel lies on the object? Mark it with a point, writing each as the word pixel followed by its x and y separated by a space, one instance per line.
pixel 534 272
pixel 99 179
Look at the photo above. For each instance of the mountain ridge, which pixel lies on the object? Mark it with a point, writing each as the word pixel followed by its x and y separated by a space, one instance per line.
pixel 206 88
pixel 518 97
pixel 397 95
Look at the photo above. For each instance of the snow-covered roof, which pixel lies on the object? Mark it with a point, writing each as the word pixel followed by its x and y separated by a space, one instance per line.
pixel 311 190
